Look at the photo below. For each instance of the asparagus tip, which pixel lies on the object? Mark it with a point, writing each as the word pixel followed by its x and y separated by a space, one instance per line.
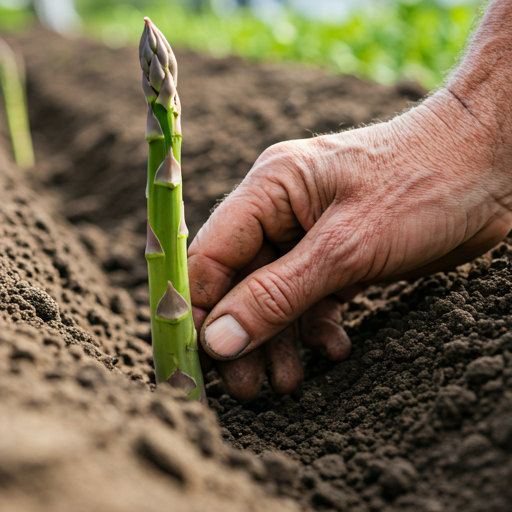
pixel 157 59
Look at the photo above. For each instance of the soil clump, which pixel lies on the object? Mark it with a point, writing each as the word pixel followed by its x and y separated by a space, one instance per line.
pixel 419 418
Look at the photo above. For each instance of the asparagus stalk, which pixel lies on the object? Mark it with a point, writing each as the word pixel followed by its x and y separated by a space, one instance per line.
pixel 173 333
pixel 15 106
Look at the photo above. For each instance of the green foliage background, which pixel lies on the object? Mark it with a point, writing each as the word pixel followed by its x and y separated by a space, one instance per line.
pixel 392 40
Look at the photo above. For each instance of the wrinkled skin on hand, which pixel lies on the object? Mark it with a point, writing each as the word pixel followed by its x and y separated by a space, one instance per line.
pixel 316 221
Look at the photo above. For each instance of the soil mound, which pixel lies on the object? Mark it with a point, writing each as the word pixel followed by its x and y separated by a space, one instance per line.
pixel 79 429
pixel 419 418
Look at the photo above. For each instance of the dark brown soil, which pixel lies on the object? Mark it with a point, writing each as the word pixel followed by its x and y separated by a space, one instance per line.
pixel 419 418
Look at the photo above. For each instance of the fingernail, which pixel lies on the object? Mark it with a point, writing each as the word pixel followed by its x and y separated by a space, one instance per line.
pixel 226 337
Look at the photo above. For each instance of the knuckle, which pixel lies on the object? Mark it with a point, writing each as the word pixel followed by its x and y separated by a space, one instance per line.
pixel 278 156
pixel 272 298
pixel 278 149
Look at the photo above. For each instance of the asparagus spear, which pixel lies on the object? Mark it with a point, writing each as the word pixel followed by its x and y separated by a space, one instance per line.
pixel 173 332
pixel 15 106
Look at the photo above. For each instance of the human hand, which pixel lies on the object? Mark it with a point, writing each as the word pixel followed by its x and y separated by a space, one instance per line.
pixel 427 191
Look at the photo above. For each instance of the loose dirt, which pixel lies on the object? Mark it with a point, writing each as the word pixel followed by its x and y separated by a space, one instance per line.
pixel 419 418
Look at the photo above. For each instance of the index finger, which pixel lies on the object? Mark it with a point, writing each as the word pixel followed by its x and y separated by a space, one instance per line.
pixel 234 235
pixel 229 241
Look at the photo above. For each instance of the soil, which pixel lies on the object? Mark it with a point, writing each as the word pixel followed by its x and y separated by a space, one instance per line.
pixel 419 418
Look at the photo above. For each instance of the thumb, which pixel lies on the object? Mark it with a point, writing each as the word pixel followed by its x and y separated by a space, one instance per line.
pixel 270 298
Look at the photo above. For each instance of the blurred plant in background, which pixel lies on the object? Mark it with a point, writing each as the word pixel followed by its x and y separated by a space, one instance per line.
pixel 384 40
pixel 58 15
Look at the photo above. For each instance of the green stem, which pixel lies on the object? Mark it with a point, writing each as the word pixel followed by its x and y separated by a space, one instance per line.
pixel 174 344
pixel 174 336
pixel 15 107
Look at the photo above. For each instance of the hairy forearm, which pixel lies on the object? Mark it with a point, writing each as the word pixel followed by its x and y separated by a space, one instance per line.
pixel 483 80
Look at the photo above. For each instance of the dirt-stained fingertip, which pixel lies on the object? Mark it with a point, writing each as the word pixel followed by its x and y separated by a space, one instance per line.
pixel 283 362
pixel 225 337
pixel 243 378
pixel 329 337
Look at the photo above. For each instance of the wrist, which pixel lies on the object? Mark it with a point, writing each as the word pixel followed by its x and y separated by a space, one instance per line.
pixel 483 81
